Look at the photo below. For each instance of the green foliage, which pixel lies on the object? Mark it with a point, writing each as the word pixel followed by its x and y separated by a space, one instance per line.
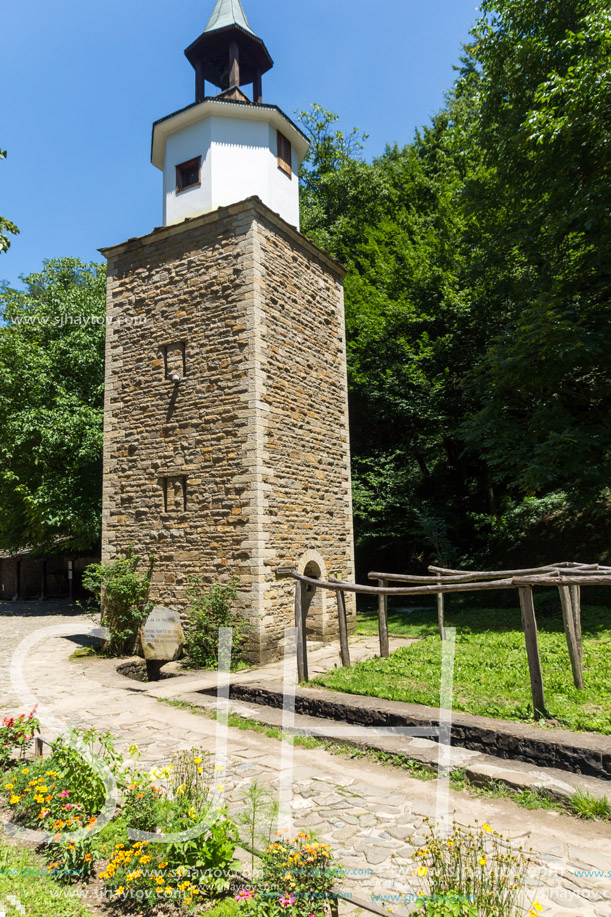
pixel 209 855
pixel 477 295
pixel 16 734
pixel 176 799
pixel 62 794
pixel 141 806
pixel 258 815
pixel 297 877
pixel 491 676
pixel 544 207
pixel 473 872
pixel 210 608
pixel 590 807
pixel 6 227
pixel 122 593
pixel 51 407
pixel 24 876
pixel 70 757
pixel 226 907
pixel 451 905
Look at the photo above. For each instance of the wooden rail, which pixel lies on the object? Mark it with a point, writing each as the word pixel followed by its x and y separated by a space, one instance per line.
pixel 568 577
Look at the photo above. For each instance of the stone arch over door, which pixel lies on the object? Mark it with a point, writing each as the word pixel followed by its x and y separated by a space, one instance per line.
pixel 316 600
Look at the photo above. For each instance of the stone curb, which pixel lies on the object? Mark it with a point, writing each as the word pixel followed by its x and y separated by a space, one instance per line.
pixel 577 753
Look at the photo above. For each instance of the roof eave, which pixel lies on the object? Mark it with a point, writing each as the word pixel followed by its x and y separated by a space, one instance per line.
pixel 205 37
pixel 299 139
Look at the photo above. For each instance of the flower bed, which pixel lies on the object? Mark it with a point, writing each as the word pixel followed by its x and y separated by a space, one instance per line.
pixel 296 879
pixel 63 796
pixel 184 864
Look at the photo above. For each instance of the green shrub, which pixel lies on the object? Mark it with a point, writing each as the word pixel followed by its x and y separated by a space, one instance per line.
pixel 472 872
pixel 141 806
pixel 587 806
pixel 181 872
pixel 211 607
pixel 63 794
pixel 16 733
pixel 121 593
pixel 297 877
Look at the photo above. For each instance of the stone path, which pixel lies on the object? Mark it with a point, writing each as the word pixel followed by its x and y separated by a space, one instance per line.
pixel 372 816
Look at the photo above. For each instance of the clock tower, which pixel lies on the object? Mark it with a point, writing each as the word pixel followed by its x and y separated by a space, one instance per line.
pixel 226 147
pixel 226 447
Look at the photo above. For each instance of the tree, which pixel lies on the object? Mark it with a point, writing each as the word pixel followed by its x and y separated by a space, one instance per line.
pixel 477 294
pixel 397 225
pixel 51 407
pixel 6 227
pixel 544 125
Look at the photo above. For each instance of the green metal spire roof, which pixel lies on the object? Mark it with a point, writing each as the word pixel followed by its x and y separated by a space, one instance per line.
pixel 227 13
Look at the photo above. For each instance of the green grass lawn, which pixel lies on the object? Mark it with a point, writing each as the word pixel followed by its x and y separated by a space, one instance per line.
pixel 491 669
pixel 22 876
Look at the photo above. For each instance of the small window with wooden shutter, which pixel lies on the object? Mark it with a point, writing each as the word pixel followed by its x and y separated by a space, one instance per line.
pixel 189 174
pixel 285 155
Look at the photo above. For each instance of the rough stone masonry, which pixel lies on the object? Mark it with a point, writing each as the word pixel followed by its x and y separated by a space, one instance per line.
pixel 226 445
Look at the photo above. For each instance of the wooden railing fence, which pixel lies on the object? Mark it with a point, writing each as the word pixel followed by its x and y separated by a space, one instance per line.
pixel 567 577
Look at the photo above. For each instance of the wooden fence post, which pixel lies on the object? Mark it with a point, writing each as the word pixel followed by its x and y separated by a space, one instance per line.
pixel 383 622
pixel 300 624
pixel 441 614
pixel 568 618
pixel 344 648
pixel 38 752
pixel 529 624
pixel 576 603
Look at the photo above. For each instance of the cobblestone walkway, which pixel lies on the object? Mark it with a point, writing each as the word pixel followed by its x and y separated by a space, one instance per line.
pixel 373 816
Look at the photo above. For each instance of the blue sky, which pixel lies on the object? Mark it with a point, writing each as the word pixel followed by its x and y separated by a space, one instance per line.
pixel 83 82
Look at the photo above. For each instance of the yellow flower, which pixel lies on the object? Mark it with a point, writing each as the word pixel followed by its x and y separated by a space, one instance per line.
pixel 537 907
pixel 168 891
pixel 9 786
pixel 422 871
pixel 162 865
pixel 120 890
pixel 487 829
pixel 218 767
pixel 197 760
pixel 482 861
pixel 14 799
pixel 220 787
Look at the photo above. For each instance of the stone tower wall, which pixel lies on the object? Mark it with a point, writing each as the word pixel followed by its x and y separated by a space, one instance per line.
pixel 304 426
pixel 244 465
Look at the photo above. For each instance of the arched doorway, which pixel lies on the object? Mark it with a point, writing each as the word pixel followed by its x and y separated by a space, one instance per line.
pixel 315 609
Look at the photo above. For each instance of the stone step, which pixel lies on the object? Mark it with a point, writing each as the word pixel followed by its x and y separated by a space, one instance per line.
pixel 580 753
pixel 480 769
